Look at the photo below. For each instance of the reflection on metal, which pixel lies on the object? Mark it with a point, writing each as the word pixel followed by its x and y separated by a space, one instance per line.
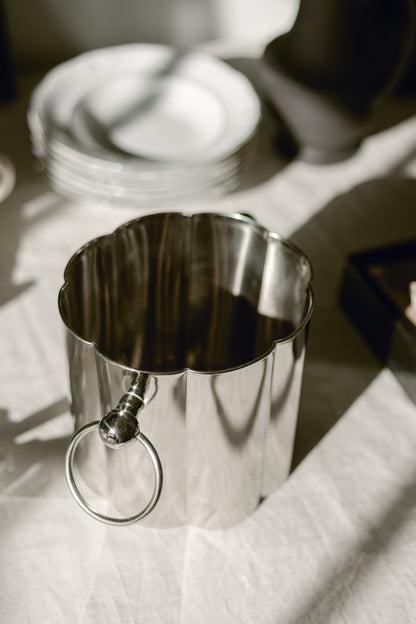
pixel 220 367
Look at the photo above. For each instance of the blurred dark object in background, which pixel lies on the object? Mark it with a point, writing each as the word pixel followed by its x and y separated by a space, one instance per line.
pixel 406 86
pixel 7 74
pixel 324 77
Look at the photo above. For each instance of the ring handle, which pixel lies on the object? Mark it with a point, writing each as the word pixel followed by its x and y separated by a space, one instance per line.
pixel 69 462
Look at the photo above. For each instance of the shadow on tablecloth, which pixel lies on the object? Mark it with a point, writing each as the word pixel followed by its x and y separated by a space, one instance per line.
pixel 339 365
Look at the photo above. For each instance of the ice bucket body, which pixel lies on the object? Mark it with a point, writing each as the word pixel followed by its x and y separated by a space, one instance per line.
pixel 205 315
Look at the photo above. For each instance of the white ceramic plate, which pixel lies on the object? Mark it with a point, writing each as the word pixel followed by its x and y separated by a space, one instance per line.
pixel 49 150
pixel 168 119
pixel 209 108
pixel 75 187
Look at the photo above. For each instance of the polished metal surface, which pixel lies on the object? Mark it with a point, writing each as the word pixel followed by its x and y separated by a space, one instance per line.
pixel 121 426
pixel 211 311
pixel 117 430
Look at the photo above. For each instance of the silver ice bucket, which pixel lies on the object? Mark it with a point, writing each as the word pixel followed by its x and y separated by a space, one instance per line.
pixel 192 325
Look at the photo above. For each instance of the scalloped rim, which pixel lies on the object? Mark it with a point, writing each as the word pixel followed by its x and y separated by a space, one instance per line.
pixel 240 217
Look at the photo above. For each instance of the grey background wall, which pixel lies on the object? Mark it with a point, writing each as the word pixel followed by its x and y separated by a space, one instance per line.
pixel 44 32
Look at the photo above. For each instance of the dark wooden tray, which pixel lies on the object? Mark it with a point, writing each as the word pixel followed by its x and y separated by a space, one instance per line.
pixel 375 296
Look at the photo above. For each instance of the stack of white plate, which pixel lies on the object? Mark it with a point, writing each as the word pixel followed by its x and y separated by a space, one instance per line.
pixel 144 124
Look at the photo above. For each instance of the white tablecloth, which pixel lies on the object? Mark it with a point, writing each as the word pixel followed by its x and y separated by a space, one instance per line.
pixel 337 543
